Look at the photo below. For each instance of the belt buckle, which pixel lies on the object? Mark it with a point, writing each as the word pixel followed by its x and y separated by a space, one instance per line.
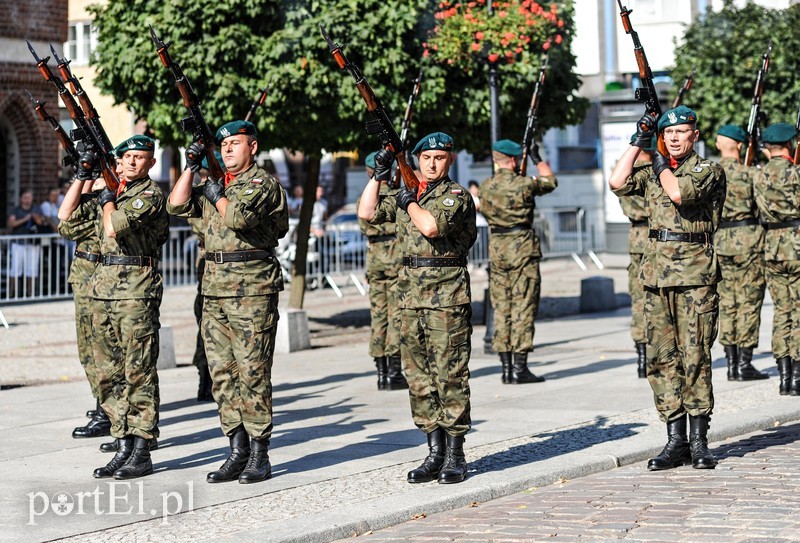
pixel 414 262
pixel 217 257
pixel 662 234
pixel 105 260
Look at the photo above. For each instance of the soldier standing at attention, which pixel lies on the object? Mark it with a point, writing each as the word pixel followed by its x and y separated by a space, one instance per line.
pixel 633 206
pixel 383 264
pixel 507 203
pixel 244 216
pixel 684 194
pixel 435 230
pixel 777 192
pixel 740 245
pixel 128 286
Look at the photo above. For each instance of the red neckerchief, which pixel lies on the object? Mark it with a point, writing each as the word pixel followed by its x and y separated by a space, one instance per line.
pixel 787 157
pixel 123 184
pixel 228 178
pixel 422 186
pixel 673 164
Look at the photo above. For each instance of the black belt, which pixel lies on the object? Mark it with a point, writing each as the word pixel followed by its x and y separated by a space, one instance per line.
pixel 434 261
pixel 91 257
pixel 689 237
pixel 507 229
pixel 218 257
pixel 785 224
pixel 639 223
pixel 378 239
pixel 142 261
pixel 743 222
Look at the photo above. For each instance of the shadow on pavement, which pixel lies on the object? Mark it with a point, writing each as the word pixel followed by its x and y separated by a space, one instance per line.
pixel 779 435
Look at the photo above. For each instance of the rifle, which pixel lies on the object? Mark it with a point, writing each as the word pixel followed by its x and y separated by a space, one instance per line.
pixel 797 141
pixel 533 118
pixel 647 92
pixel 256 104
pixel 380 123
pixel 195 122
pixel 753 130
pixel 71 158
pixel 687 85
pixel 85 131
pixel 407 124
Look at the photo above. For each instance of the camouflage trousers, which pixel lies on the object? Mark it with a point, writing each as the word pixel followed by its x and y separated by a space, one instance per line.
pixel 783 280
pixel 239 335
pixel 636 290
pixel 741 293
pixel 199 359
pixel 384 339
pixel 515 294
pixel 126 352
pixel 681 328
pixel 435 345
pixel 85 307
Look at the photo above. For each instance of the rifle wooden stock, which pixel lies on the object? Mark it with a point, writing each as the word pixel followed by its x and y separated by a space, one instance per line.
pixel 686 87
pixel 257 103
pixel 405 127
pixel 533 117
pixel 755 108
pixel 71 159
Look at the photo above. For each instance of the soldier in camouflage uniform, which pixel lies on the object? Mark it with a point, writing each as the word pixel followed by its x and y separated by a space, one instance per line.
pixel 684 194
pixel 777 193
pixel 244 214
pixel 633 205
pixel 740 248
pixel 383 263
pixel 507 203
pixel 435 230
pixel 127 284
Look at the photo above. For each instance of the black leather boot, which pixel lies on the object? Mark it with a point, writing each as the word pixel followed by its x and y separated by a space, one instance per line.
pixel 746 371
pixel 90 414
pixel 235 463
pixel 258 467
pixel 520 373
pixel 125 450
pixel 676 451
pixel 99 426
pixel 454 469
pixel 139 463
pixel 432 465
pixel 113 446
pixel 794 385
pixel 641 360
pixel 698 443
pixel 395 380
pixel 383 371
pixel 505 362
pixel 785 372
pixel 204 387
pixel 732 356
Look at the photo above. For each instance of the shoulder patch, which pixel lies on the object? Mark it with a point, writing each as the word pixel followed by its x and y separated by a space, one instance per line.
pixel 148 192
pixel 449 202
pixel 137 203
pixel 256 181
pixel 456 191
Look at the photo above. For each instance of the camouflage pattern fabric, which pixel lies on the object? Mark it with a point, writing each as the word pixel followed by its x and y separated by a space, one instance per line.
pixel 508 200
pixel 634 208
pixel 783 279
pixel 199 360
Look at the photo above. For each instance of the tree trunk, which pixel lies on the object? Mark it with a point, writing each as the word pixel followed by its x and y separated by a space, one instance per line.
pixel 298 287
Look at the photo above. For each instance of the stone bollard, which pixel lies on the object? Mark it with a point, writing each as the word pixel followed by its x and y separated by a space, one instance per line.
pixel 292 333
pixel 597 294
pixel 166 348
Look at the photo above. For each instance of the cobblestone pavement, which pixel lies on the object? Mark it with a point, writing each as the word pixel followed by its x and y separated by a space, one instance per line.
pixel 752 496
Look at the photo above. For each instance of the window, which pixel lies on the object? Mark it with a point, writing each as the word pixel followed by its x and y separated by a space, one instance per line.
pixel 81 42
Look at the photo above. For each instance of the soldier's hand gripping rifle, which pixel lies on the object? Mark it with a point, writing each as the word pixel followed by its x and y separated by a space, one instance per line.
pixel 195 122
pixel 92 141
pixel 647 92
pixel 257 103
pixel 687 85
pixel 71 158
pixel 533 118
pixel 753 130
pixel 404 128
pixel 380 123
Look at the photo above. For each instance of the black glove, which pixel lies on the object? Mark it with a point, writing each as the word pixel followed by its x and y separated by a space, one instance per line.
pixel 87 166
pixel 660 163
pixel 645 130
pixel 105 197
pixel 536 158
pixel 404 198
pixel 194 156
pixel 213 191
pixel 383 165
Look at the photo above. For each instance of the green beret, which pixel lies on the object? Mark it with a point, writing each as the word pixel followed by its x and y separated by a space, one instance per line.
pixel 650 148
pixel 676 116
pixel 204 163
pixel 369 162
pixel 135 143
pixel 507 147
pixel 438 141
pixel 234 128
pixel 733 132
pixel 779 133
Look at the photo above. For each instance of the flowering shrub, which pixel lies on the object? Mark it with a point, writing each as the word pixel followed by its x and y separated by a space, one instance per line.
pixel 465 32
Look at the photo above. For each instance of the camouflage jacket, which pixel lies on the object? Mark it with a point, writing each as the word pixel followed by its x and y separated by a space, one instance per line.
pixel 454 211
pixel 676 263
pixel 740 205
pixel 82 229
pixel 507 200
pixel 142 227
pixel 634 208
pixel 382 255
pixel 777 191
pixel 256 218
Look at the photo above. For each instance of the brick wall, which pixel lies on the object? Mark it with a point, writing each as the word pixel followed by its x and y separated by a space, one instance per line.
pixel 34 20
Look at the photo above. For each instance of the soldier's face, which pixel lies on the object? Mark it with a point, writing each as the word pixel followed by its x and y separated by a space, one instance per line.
pixel 136 164
pixel 434 165
pixel 238 153
pixel 680 139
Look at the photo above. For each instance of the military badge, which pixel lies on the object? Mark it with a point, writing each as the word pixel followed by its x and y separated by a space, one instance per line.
pixel 256 181
pixel 147 192
pixel 225 132
pixel 449 202
pixel 137 204
pixel 249 191
pixel 455 191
